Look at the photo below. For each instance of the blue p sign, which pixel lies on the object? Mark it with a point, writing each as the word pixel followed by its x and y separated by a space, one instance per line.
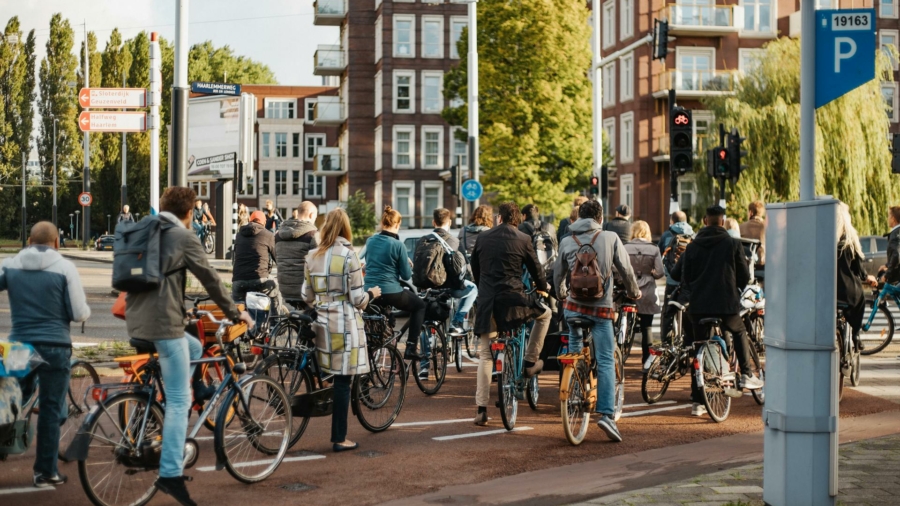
pixel 845 52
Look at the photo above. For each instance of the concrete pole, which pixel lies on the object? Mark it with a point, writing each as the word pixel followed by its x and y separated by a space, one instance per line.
pixel 474 169
pixel 178 151
pixel 807 100
pixel 55 121
pixel 86 175
pixel 124 164
pixel 154 100
pixel 24 208
pixel 597 102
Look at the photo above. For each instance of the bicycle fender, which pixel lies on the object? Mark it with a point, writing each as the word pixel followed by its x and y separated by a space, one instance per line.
pixel 698 372
pixel 564 383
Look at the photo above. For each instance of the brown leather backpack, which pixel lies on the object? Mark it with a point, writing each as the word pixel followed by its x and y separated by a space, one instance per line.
pixel 586 282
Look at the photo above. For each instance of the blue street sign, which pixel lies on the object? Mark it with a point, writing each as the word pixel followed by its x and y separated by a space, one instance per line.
pixel 845 52
pixel 472 190
pixel 216 88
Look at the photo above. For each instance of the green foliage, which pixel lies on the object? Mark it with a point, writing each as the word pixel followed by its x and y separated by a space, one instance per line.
pixel 219 64
pixel 534 99
pixel 852 146
pixel 362 216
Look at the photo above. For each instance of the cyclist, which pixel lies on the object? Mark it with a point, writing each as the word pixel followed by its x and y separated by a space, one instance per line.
pixel 482 219
pixel 543 234
pixel 254 254
pixel 207 215
pixel 563 230
pixel 197 221
pixel 587 234
pixel 671 246
pixel 158 316
pixel 293 241
pixel 273 219
pixel 850 272
pixel 890 273
pixel 620 224
pixel 501 256
pixel 125 216
pixel 714 269
pixel 45 295
pixel 243 216
pixel 755 228
pixel 648 267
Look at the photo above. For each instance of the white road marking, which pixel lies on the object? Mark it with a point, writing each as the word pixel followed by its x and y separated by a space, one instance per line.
pixel 644 404
pixel 23 490
pixel 651 411
pixel 207 469
pixel 210 438
pixel 435 422
pixel 477 434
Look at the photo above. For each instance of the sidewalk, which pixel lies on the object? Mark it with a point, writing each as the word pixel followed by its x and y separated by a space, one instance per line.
pixel 106 257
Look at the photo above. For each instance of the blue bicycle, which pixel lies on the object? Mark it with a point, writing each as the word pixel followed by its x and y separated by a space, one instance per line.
pixel 877 337
pixel 509 356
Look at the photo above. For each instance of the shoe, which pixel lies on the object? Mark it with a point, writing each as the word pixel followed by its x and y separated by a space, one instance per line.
pixel 344 447
pixel 608 426
pixel 42 481
pixel 457 330
pixel 423 373
pixel 481 419
pixel 175 488
pixel 202 391
pixel 697 409
pixel 751 382
pixel 535 369
pixel 412 353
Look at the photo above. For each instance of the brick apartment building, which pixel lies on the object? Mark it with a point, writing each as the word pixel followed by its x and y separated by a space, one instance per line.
pixel 717 40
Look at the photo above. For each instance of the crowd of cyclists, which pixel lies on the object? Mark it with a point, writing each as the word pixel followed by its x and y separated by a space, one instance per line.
pixel 506 268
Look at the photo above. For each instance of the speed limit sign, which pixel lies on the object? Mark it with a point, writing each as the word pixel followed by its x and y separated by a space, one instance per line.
pixel 85 199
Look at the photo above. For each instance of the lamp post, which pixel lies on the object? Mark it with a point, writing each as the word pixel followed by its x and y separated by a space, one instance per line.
pixel 107 223
pixel 55 121
pixel 77 217
pixel 72 226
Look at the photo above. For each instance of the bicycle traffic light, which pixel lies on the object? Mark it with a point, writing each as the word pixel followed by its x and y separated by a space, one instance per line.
pixel 735 154
pixel 660 39
pixel 455 180
pixel 681 144
pixel 595 185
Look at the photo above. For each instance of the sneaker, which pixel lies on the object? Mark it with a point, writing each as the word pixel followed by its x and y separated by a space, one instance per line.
pixel 423 373
pixel 481 419
pixel 42 481
pixel 457 330
pixel 535 369
pixel 697 409
pixel 175 488
pixel 608 426
pixel 751 382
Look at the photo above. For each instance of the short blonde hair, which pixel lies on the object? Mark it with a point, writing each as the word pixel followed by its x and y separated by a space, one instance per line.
pixel 640 230
pixel 732 224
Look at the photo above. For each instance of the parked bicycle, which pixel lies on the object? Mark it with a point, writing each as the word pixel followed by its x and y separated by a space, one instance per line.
pixel 848 365
pixel 878 337
pixel 508 351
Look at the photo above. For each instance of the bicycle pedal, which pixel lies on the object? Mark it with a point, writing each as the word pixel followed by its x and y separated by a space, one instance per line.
pixel 733 393
pixel 846 371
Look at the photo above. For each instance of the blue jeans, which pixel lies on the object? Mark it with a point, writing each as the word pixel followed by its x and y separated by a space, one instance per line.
pixel 466 298
pixel 604 358
pixel 174 361
pixel 53 387
pixel 198 229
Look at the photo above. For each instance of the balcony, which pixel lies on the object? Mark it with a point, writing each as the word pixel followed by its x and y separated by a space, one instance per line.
pixel 329 61
pixel 702 20
pixel 696 83
pixel 329 12
pixel 327 162
pixel 328 111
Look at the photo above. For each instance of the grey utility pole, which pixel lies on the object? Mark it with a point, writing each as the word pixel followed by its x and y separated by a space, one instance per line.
pixel 124 165
pixel 474 169
pixel 597 101
pixel 24 209
pixel 55 121
pixel 86 175
pixel 180 93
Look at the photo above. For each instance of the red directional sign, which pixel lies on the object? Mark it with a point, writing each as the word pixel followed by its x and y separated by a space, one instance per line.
pixel 85 199
pixel 95 121
pixel 113 97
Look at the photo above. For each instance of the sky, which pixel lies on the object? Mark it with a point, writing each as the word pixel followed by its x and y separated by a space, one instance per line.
pixel 278 33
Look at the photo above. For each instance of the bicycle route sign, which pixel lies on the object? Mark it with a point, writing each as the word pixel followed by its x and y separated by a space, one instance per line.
pixel 472 190
pixel 85 199
pixel 845 52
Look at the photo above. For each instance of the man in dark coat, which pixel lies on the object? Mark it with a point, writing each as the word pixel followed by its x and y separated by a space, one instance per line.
pixel 502 302
pixel 891 271
pixel 714 269
pixel 620 224
pixel 293 241
pixel 254 251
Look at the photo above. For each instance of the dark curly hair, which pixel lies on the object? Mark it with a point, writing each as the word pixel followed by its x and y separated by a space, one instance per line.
pixel 178 200
pixel 592 209
pixel 510 214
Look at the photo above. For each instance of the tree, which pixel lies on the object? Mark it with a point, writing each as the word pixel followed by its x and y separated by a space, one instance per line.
pixel 209 63
pixel 362 215
pixel 534 99
pixel 852 148
pixel 138 144
pixel 116 60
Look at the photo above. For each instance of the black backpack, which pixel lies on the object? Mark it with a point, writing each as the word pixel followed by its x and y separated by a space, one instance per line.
pixel 543 244
pixel 137 262
pixel 675 249
pixel 437 265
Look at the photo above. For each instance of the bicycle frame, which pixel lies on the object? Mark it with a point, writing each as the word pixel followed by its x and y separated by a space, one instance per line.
pixel 888 291
pixel 515 339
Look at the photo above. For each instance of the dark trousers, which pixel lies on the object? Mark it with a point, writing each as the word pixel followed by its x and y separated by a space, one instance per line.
pixel 646 321
pixel 341 408
pixel 855 314
pixel 734 325
pixel 53 387
pixel 665 322
pixel 408 301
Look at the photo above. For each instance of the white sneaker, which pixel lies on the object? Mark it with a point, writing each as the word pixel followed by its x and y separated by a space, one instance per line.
pixel 751 382
pixel 697 409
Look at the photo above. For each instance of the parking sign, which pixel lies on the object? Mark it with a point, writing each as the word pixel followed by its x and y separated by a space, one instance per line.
pixel 845 52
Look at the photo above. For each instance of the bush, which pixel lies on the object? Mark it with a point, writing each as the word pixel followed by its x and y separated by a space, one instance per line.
pixel 362 216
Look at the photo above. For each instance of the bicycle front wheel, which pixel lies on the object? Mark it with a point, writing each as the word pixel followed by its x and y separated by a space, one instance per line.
pixel 253 445
pixel 457 352
pixel 209 243
pixel 655 383
pixel 629 323
pixel 575 416
pixel 378 395
pixel 881 332
pixel 82 377
pixel 506 389
pixel 430 374
pixel 712 369
pixel 283 369
pixel 121 466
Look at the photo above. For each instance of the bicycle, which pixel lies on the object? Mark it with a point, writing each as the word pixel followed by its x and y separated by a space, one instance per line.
pixel 118 448
pixel 208 239
pixel 848 366
pixel 668 361
pixel 578 386
pixel 879 306
pixel 508 352
pixel 430 372
pixel 626 322
pixel 468 336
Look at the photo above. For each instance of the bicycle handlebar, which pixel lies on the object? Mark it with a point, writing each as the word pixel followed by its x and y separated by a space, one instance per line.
pixel 224 322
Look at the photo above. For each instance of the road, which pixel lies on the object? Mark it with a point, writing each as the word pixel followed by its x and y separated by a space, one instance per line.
pixel 434 444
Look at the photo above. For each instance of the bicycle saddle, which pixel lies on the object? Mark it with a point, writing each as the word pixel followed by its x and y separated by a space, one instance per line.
pixel 581 323
pixel 711 321
pixel 300 316
pixel 141 345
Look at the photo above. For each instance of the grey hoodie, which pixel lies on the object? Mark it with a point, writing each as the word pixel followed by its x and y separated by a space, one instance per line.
pixel 610 252
pixel 293 242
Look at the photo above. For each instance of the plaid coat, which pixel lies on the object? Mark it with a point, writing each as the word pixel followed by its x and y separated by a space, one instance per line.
pixel 334 284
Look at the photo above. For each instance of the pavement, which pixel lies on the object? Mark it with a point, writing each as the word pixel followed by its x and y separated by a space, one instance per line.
pixel 107 258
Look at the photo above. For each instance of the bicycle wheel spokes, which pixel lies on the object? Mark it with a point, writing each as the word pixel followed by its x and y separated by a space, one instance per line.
pixel 506 390
pixel 379 394
pixel 121 466
pixel 619 401
pixel 576 418
pixel 881 332
pixel 283 369
pixel 82 377
pixel 430 374
pixel 717 403
pixel 654 383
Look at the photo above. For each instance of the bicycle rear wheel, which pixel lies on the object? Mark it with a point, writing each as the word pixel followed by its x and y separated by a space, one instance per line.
pixel 629 323
pixel 532 391
pixel 620 384
pixel 82 377
pixel 457 352
pixel 432 338
pixel 759 395
pixel 253 445
pixel 115 472
pixel 214 375
pixel 575 416
pixel 209 243
pixel 841 376
pixel 283 369
pixel 506 388
pixel 654 384
pixel 718 405
pixel 378 395
pixel 881 332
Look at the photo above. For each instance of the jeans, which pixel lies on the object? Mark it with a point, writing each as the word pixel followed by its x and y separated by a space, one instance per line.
pixel 198 229
pixel 604 358
pixel 174 361
pixel 466 298
pixel 269 287
pixel 341 408
pixel 53 387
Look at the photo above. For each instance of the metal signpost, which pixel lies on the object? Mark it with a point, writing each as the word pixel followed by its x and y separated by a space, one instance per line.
pixel 154 102
pixel 472 190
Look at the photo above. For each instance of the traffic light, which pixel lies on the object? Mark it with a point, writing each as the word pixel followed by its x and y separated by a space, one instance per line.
pixel 239 172
pixel 735 154
pixel 660 39
pixel 595 185
pixel 895 154
pixel 717 162
pixel 604 182
pixel 681 144
pixel 455 180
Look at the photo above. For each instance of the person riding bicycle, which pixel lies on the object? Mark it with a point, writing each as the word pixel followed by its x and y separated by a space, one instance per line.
pixel 197 218
pixel 273 219
pixel 207 216
pixel 670 245
pixel 850 272
pixel 482 219
pixel 158 315
pixel 890 272
pixel 293 241
pixel 714 269
pixel 254 254
pixel 603 250
pixel 499 261
pixel 125 216
pixel 620 223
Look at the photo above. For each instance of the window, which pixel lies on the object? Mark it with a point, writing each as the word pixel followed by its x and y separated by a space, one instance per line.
pixel 887 39
pixel 888 9
pixel 609 24
pixel 266 188
pixel 265 143
pixel 295 182
pixel 379 39
pixel 626 187
pixel 404 201
pixel 432 36
pixel 281 145
pixel 609 131
pixel 759 16
pixel 404 36
pixel 627 15
pixel 456 27
pixel 705 136
pixel 404 92
pixel 404 146
pixel 608 76
pixel 310 109
pixel 626 87
pixel 626 148
pixel 695 68
pixel 749 59
pixel 460 150
pixel 432 198
pixel 889 92
pixel 379 91
pixel 433 152
pixel 379 149
pixel 687 192
pixel 280 182
pixel 432 96
pixel 295 145
pixel 315 186
pixel 201 188
pixel 313 141
pixel 279 109
pixel 824 4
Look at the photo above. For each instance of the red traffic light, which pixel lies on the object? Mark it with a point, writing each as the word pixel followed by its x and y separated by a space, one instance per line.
pixel 595 181
pixel 722 154
pixel 681 119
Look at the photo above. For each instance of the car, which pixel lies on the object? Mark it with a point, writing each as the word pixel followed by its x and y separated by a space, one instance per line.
pixel 875 249
pixel 105 242
pixel 409 237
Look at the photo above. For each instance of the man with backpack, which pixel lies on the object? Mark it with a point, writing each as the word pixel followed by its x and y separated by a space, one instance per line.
pixel 671 246
pixel 440 264
pixel 583 275
pixel 543 235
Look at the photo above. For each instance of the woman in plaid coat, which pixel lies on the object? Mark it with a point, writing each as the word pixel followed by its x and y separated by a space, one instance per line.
pixel 334 285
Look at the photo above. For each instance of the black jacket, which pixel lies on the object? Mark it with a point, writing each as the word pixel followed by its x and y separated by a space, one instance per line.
pixel 468 236
pixel 893 256
pixel 293 241
pixel 497 263
pixel 850 275
pixel 621 226
pixel 715 270
pixel 530 227
pixel 252 248
pixel 563 230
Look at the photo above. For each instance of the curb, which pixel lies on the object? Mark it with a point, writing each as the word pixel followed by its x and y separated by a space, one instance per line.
pixel 108 261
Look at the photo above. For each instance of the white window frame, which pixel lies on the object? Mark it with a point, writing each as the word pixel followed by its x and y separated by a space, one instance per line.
pixel 683 181
pixel 265 141
pixel 627 139
pixel 826 4
pixel 431 185
pixel 308 105
pixel 896 35
pixel 379 196
pixel 379 148
pixel 440 21
pixel 609 129
pixel 379 94
pixel 896 105
pixel 426 129
pixel 881 13
pixel 698 117
pixel 411 203
pixel 453 142
pixel 306 145
pixel 440 76
pixel 201 188
pixel 456 20
pixel 773 21
pixel 746 53
pixel 379 38
pixel 320 194
pixel 281 101
pixel 626 22
pixel 411 18
pixel 412 146
pixel 608 76
pixel 278 147
pixel 412 91
pixel 609 24
pixel 626 190
pixel 681 52
pixel 626 78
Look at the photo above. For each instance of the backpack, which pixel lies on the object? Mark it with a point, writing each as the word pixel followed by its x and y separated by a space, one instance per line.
pixel 543 244
pixel 137 262
pixel 586 281
pixel 436 265
pixel 675 249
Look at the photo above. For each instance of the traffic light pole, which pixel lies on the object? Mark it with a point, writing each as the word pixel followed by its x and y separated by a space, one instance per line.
pixel 673 174
pixel 722 178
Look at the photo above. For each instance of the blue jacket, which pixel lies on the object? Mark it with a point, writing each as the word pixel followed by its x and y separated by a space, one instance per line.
pixel 387 262
pixel 680 228
pixel 45 296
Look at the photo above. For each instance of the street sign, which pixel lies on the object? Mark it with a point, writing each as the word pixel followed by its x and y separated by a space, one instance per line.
pixel 216 88
pixel 845 52
pixel 113 97
pixel 95 121
pixel 472 190
pixel 85 199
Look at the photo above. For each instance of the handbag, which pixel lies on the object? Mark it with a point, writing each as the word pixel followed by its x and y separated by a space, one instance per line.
pixel 118 308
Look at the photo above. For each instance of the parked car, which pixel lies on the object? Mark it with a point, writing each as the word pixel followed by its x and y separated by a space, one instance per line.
pixel 105 242
pixel 875 249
